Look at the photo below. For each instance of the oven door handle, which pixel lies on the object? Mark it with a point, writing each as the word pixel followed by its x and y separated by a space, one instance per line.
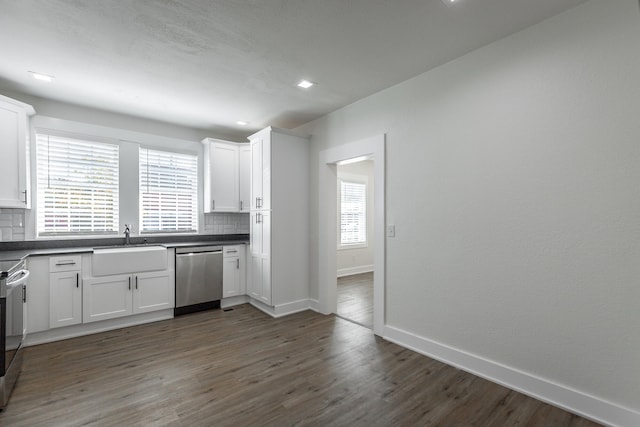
pixel 20 281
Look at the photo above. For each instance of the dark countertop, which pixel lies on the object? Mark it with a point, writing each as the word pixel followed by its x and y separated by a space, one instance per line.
pixel 19 250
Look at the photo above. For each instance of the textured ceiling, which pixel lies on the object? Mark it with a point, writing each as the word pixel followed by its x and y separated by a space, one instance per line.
pixel 207 63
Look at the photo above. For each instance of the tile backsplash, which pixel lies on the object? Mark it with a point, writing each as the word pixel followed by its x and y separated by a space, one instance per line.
pixel 226 223
pixel 12 224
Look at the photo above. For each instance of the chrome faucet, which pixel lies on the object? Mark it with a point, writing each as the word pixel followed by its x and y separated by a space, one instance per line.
pixel 127 232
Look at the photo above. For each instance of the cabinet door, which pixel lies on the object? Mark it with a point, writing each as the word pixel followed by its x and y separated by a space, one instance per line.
pixel 255 233
pixel 65 299
pixel 265 222
pixel 13 146
pixel 265 203
pixel 224 163
pixel 245 177
pixel 106 297
pixel 152 291
pixel 231 277
pixel 254 279
pixel 242 261
pixel 254 284
pixel 256 173
pixel 259 284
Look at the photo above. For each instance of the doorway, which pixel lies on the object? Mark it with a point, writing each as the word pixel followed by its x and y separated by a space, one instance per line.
pixel 373 149
pixel 354 256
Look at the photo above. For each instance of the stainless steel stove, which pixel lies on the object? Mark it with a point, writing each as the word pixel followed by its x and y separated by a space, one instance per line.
pixel 13 292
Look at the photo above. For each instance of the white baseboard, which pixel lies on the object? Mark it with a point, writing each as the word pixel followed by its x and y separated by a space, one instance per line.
pixel 571 400
pixel 354 270
pixel 57 334
pixel 231 301
pixel 282 309
pixel 314 305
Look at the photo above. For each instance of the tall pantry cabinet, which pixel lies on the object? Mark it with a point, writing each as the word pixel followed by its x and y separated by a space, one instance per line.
pixel 278 261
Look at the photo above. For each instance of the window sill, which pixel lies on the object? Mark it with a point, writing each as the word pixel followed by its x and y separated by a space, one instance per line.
pixel 353 246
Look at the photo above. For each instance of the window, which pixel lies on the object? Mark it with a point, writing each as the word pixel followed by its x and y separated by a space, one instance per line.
pixel 77 184
pixel 353 213
pixel 168 192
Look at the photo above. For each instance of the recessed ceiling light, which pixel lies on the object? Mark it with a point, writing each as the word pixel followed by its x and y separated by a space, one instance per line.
pixel 242 123
pixel 42 77
pixel 449 2
pixel 305 84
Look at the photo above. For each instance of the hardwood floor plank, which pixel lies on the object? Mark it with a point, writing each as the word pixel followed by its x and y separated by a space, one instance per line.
pixel 355 298
pixel 243 368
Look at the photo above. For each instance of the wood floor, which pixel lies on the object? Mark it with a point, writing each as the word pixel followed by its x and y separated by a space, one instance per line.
pixel 243 368
pixel 355 298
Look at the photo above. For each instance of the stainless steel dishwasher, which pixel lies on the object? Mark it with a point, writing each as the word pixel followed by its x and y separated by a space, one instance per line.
pixel 198 279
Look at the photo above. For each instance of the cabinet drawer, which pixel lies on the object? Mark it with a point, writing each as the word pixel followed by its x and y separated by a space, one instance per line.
pixel 65 263
pixel 232 251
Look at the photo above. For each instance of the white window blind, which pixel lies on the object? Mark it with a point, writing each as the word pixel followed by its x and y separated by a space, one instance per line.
pixel 77 184
pixel 168 192
pixel 353 213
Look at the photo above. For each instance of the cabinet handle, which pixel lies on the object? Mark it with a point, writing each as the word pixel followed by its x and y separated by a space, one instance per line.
pixel 240 204
pixel 65 263
pixel 25 196
pixel 213 205
pixel 77 280
pixel 129 282
pixel 232 250
pixel 136 282
pixel 238 264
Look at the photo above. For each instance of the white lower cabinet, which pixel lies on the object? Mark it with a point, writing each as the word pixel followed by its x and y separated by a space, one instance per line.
pixel 107 297
pixel 65 290
pixel 65 299
pixel 121 295
pixel 259 287
pixel 233 271
pixel 152 291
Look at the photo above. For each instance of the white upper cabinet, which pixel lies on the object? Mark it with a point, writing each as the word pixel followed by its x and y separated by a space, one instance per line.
pixel 245 178
pixel 261 172
pixel 223 183
pixel 14 146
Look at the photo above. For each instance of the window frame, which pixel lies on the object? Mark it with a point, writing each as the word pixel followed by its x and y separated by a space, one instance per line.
pixel 355 179
pixel 129 142
pixel 38 211
pixel 198 186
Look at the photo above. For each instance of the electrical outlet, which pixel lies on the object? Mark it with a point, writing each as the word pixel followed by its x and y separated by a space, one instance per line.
pixel 391 231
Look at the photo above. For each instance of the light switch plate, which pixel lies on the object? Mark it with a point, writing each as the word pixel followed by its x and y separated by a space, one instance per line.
pixel 391 231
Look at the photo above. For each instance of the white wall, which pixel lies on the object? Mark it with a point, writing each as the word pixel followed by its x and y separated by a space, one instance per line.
pixel 360 259
pixel 513 178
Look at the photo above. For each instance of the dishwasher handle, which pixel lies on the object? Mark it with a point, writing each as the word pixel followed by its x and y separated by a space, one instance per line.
pixel 197 250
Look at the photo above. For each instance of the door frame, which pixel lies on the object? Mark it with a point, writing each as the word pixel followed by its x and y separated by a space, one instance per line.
pixel 372 148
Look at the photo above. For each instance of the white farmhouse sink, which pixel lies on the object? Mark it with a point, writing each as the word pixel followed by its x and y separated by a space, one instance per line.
pixel 128 259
